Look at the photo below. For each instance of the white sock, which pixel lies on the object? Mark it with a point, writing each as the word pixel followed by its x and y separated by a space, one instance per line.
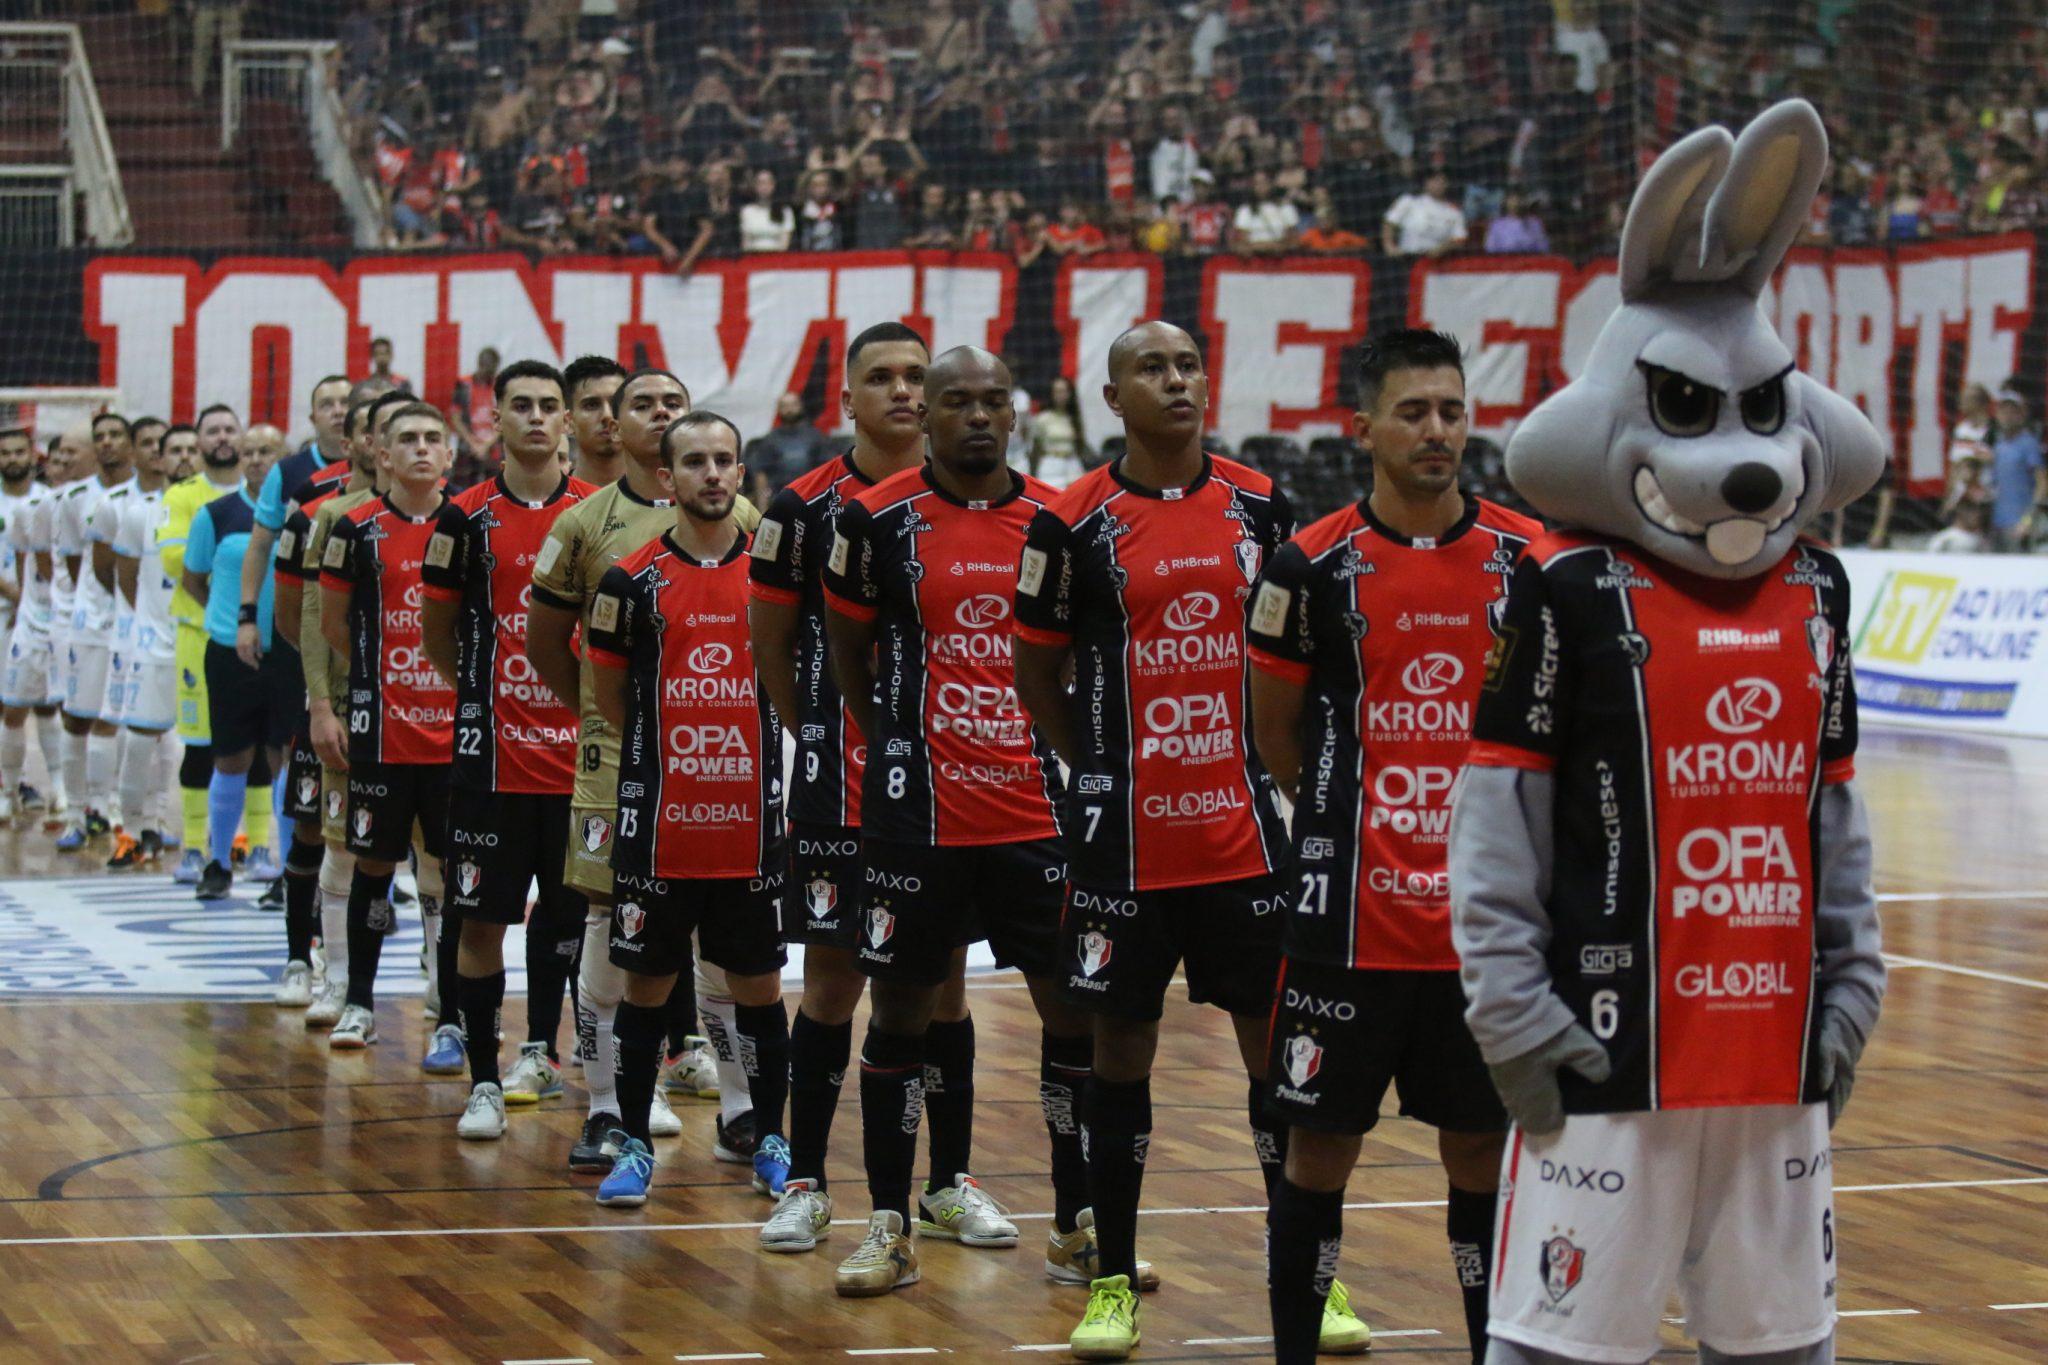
pixel 76 790
pixel 599 987
pixel 138 775
pixel 13 756
pixel 719 1013
pixel 337 870
pixel 50 738
pixel 101 752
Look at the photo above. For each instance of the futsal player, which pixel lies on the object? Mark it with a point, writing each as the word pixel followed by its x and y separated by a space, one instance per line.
pixel 885 367
pixel 27 685
pixel 515 749
pixel 699 845
pixel 401 711
pixel 1369 634
pixel 138 677
pixel 960 830
pixel 585 541
pixel 89 738
pixel 1137 577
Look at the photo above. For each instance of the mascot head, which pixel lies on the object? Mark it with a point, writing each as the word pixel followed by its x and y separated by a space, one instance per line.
pixel 1689 432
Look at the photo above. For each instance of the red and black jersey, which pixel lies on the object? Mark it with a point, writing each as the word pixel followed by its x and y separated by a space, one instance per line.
pixel 400 708
pixel 790 548
pixel 1389 637
pixel 328 478
pixel 1150 589
pixel 956 760
pixel 1690 723
pixel 512 733
pixel 700 760
pixel 289 561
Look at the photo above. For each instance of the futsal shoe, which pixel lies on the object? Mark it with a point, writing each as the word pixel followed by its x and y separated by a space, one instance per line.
pixel 632 1173
pixel 483 1120
pixel 96 824
pixel 963 1212
pixel 445 1053
pixel 238 852
pixel 71 840
pixel 592 1153
pixel 732 1143
pixel 214 883
pixel 1343 1332
pixel 325 1010
pixel 295 992
pixel 29 799
pixel 263 864
pixel 886 1259
pixel 534 1077
pixel 1070 1258
pixel 357 1029
pixel 802 1216
pixel 7 807
pixel 128 853
pixel 55 813
pixel 272 899
pixel 771 1166
pixel 153 846
pixel 189 867
pixel 693 1071
pixel 1109 1329
pixel 661 1120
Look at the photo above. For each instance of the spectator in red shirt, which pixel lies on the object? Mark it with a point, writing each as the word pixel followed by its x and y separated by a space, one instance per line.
pixel 1073 234
pixel 1205 224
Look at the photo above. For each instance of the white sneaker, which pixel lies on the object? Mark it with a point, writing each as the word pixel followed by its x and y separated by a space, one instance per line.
pixel 662 1120
pixel 356 1029
pixel 484 1118
pixel 319 961
pixel 534 1077
pixel 326 1010
pixel 964 1212
pixel 801 1217
pixel 693 1071
pixel 6 808
pixel 295 992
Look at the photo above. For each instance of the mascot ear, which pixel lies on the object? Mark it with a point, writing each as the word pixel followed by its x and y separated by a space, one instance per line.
pixel 1851 451
pixel 1660 243
pixel 1772 178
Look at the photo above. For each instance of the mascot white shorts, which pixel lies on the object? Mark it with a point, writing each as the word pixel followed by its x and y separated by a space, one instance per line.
pixel 1599 1221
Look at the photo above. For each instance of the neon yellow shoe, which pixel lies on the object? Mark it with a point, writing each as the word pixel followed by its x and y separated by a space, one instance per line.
pixel 1344 1333
pixel 1109 1329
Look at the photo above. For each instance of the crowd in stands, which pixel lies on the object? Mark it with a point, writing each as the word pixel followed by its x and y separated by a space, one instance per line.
pixel 1055 127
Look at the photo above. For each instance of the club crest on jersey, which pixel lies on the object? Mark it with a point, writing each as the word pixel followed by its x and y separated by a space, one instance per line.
pixel 1496 613
pixel 881 926
pixel 467 875
pixel 362 822
pixel 1564 1263
pixel 1637 646
pixel 309 790
pixel 631 919
pixel 1820 638
pixel 1304 1059
pixel 1095 951
pixel 821 897
pixel 334 805
pixel 597 832
pixel 1248 556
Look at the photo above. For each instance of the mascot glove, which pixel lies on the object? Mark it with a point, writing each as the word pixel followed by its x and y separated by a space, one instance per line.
pixel 1841 1047
pixel 1528 1083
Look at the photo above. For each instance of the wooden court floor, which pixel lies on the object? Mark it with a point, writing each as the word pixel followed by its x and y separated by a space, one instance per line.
pixel 187 1181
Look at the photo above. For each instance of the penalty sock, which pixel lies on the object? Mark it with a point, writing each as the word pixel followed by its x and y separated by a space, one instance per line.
pixel 480 999
pixel 1470 1226
pixel 891 1105
pixel 818 1054
pixel 1119 1117
pixel 764 1056
pixel 301 889
pixel 639 1039
pixel 370 918
pixel 1269 1139
pixel 680 1014
pixel 949 1098
pixel 1304 1232
pixel 552 941
pixel 1063 1065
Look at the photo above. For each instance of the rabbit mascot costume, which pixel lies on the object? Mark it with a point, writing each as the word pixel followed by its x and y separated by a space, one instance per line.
pixel 1660 868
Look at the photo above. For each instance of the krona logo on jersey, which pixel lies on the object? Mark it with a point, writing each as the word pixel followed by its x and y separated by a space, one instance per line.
pixel 1739 709
pixel 710 658
pixel 982 611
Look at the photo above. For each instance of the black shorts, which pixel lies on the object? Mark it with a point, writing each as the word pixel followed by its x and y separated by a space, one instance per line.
pixel 824 886
pixel 302 780
pixel 1119 949
pixel 737 921
pixel 385 803
pixel 919 903
pixel 251 707
pixel 1341 1035
pixel 499 844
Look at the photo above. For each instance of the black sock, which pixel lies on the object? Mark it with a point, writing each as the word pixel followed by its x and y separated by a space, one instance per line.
pixel 1063 1065
pixel 1269 1138
pixel 764 1054
pixel 369 920
pixel 1304 1229
pixel 301 899
pixel 478 1000
pixel 445 952
pixel 949 1098
pixel 680 1016
pixel 1119 1118
pixel 554 935
pixel 1470 1225
pixel 891 1106
pixel 637 1030
pixel 818 1054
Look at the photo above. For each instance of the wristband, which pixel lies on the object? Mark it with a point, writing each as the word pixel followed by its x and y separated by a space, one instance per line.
pixel 248 614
